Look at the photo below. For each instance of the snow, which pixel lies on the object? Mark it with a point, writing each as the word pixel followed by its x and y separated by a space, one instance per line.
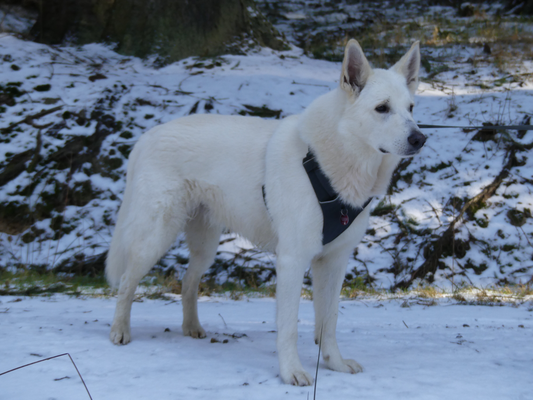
pixel 409 349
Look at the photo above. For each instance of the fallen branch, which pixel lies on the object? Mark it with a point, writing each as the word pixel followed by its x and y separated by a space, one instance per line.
pixel 29 119
pixel 36 154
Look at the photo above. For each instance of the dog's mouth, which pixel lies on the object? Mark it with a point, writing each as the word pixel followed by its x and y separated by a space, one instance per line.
pixel 409 153
pixel 413 152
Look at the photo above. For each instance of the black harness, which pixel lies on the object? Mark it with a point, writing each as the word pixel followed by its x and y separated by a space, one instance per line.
pixel 338 216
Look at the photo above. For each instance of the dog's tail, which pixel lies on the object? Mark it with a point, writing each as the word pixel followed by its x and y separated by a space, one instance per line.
pixel 117 262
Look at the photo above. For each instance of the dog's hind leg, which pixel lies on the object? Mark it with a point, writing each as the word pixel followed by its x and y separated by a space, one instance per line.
pixel 146 233
pixel 328 275
pixel 203 239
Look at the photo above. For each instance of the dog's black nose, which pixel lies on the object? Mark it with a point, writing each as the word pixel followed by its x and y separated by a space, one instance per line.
pixel 416 139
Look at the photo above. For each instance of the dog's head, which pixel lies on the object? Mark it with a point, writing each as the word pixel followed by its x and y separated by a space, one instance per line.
pixel 380 102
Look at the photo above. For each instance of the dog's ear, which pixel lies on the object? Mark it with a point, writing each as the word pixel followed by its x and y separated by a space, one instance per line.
pixel 355 69
pixel 409 65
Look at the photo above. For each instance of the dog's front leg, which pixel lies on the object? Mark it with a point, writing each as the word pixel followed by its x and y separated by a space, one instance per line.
pixel 290 272
pixel 328 275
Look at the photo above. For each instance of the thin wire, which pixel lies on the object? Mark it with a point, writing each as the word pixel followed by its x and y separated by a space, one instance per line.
pixel 318 361
pixel 51 358
pixel 485 127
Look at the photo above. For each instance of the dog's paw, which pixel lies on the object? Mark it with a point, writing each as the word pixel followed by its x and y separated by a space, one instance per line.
pixel 193 330
pixel 120 334
pixel 347 366
pixel 297 378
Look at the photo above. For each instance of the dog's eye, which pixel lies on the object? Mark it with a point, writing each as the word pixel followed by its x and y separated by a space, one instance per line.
pixel 411 107
pixel 383 108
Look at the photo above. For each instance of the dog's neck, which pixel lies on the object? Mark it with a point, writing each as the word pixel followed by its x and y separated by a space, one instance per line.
pixel 355 173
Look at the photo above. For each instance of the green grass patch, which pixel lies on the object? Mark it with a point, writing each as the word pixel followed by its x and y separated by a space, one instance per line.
pixel 158 285
pixel 33 283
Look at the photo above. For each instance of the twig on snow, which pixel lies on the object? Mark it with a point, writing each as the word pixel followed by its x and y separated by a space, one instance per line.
pixel 51 358
pixel 223 320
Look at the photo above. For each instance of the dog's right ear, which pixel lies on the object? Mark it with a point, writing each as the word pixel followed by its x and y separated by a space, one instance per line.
pixel 355 69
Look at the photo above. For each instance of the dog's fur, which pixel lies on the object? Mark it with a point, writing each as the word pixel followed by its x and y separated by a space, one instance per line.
pixel 203 173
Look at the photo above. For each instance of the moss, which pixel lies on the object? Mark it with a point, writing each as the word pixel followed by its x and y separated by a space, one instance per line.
pixel 61 227
pixel 482 222
pixel 32 234
pixel 485 135
pixel 14 217
pixel 474 208
pixel 407 177
pixel 9 93
pixel 50 201
pixel 42 88
pixel 509 247
pixel 440 166
pixel 28 237
pixel 82 193
pixel 56 222
pixel 383 209
pixel 478 269
pixel 107 218
pixel 125 150
pixel 114 162
pixel 457 248
pixel 517 217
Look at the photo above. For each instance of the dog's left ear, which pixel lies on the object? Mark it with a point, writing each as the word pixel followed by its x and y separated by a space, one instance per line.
pixel 409 65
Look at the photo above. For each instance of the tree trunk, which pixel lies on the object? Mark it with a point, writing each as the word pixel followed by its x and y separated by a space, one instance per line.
pixel 173 29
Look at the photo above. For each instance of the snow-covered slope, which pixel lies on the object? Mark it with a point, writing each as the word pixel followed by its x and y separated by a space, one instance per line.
pixel 69 117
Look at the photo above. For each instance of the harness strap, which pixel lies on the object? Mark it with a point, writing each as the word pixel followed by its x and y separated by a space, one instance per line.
pixel 338 216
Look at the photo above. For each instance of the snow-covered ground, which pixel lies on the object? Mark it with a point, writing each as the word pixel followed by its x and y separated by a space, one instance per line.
pixel 409 349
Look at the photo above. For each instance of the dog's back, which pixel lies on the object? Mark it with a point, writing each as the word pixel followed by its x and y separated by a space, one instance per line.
pixel 213 161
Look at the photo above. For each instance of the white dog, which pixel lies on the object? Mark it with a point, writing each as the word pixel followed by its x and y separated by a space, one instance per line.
pixel 203 173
